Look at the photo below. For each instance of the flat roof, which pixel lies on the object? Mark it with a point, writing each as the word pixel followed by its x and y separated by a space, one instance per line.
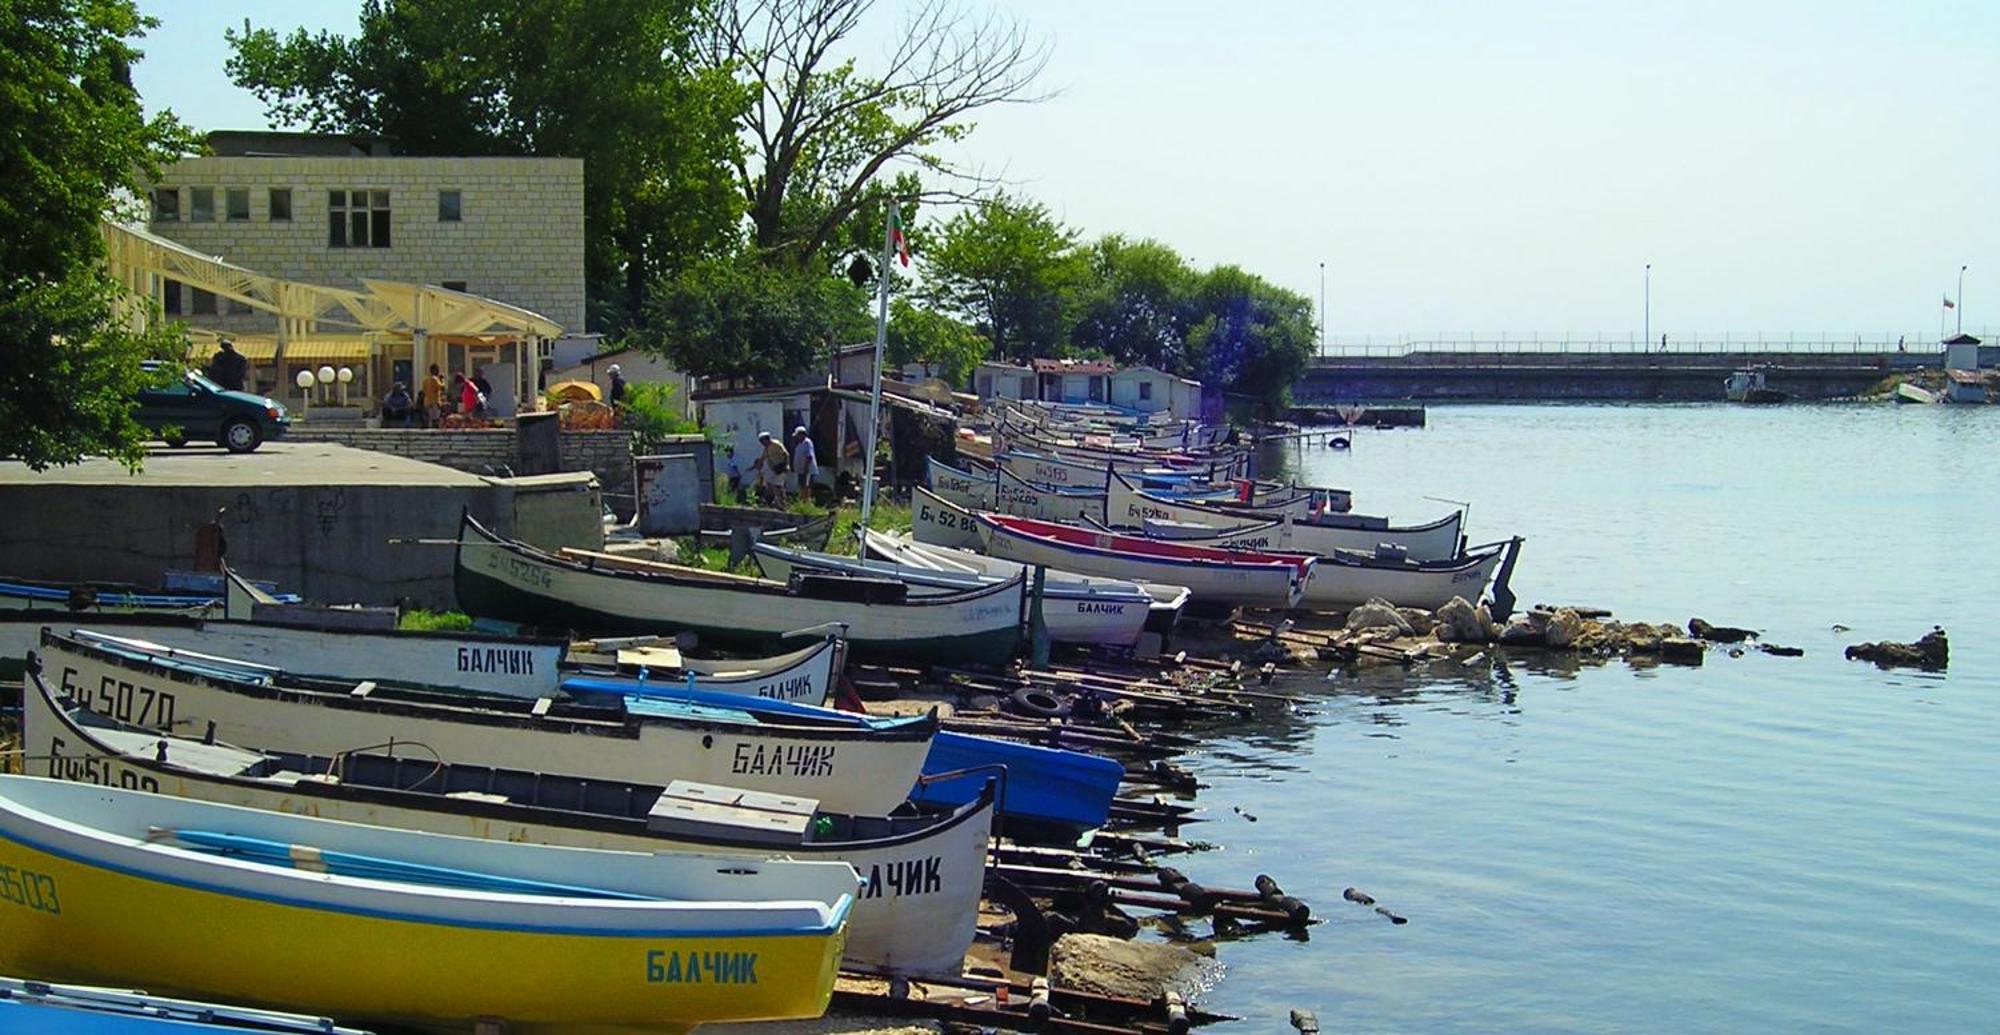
pixel 275 465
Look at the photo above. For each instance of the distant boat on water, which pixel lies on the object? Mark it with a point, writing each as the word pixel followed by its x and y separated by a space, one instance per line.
pixel 1748 386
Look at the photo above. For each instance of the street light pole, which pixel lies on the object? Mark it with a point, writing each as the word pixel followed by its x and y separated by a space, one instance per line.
pixel 1322 309
pixel 1961 300
pixel 1646 338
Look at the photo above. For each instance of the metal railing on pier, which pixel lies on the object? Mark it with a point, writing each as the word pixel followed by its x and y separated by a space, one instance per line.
pixel 1629 342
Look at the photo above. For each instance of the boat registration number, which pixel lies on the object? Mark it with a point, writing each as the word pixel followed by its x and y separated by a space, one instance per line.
pixel 118 699
pixel 92 769
pixel 29 890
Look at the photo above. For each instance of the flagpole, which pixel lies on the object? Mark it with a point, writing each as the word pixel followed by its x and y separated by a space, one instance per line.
pixel 875 394
pixel 1958 304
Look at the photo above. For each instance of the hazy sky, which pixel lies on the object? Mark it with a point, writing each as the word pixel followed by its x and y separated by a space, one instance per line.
pixel 1477 167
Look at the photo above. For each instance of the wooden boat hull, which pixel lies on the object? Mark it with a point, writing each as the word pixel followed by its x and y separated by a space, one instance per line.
pixel 1338 584
pixel 1073 611
pixel 863 772
pixel 112 906
pixel 1438 540
pixel 1005 494
pixel 1047 789
pixel 500 579
pixel 915 916
pixel 1212 576
pixel 1162 614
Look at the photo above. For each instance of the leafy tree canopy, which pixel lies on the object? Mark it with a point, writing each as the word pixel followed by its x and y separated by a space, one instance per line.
pixel 1010 269
pixel 613 82
pixel 920 334
pixel 72 137
pixel 737 318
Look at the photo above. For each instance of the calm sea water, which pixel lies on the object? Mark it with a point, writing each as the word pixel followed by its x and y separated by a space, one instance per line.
pixel 1756 844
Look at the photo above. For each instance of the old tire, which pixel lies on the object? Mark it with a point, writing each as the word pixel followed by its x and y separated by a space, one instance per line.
pixel 241 435
pixel 1039 704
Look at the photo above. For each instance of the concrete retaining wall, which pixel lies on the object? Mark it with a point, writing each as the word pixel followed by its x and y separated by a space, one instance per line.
pixel 319 520
pixel 606 454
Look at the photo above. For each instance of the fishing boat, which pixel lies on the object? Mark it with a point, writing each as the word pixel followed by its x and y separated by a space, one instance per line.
pixel 1048 794
pixel 1129 508
pixel 41 1008
pixel 863 770
pixel 1055 472
pixel 1162 614
pixel 510 666
pixel 1749 385
pixel 914 917
pixel 1003 493
pixel 1231 578
pixel 191 898
pixel 1100 613
pixel 502 579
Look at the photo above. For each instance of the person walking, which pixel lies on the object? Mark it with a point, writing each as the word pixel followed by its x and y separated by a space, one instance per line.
pixel 228 368
pixel 805 460
pixel 617 386
pixel 432 394
pixel 773 464
pixel 485 388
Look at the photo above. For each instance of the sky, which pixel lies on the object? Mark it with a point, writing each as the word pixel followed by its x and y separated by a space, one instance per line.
pixel 1472 168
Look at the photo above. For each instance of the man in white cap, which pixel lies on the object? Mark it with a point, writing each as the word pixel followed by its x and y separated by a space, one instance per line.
pixel 772 467
pixel 617 385
pixel 805 460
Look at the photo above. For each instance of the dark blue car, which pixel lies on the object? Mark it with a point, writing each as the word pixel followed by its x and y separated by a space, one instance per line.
pixel 196 408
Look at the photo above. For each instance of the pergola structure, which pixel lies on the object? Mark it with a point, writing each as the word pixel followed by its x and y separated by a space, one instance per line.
pixel 382 316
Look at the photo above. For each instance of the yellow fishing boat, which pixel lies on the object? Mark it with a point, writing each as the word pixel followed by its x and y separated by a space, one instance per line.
pixel 365 923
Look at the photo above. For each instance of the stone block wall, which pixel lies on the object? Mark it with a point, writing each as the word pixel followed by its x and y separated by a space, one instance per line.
pixel 519 237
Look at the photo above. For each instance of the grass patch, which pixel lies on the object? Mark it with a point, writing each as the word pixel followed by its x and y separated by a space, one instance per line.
pixel 434 621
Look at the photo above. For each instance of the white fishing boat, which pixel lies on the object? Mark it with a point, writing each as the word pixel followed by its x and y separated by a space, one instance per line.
pixel 1128 508
pixel 865 770
pixel 1168 601
pixel 116 886
pixel 1054 472
pixel 915 916
pixel 1102 613
pixel 1231 578
pixel 511 581
pixel 509 666
pixel 1002 492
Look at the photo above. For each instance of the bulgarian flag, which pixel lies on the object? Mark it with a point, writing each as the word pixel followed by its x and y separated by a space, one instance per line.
pixel 896 238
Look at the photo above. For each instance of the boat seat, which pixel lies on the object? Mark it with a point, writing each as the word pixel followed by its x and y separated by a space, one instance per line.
pixel 706 810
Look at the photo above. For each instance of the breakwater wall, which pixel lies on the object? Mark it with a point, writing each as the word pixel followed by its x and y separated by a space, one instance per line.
pixel 495 451
pixel 1488 376
pixel 318 519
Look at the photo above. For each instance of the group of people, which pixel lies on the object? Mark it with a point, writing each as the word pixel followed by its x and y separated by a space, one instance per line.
pixel 467 396
pixel 778 472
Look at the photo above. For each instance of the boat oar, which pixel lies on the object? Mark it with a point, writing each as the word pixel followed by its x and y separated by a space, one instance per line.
pixel 348 864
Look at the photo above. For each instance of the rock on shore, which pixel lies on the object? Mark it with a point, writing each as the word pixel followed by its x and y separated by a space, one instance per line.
pixel 1113 966
pixel 1930 651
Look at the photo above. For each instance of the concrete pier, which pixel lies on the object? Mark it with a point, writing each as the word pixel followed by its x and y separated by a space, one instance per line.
pixel 315 518
pixel 1495 376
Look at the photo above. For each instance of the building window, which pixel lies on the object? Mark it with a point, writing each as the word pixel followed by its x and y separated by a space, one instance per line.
pixel 170 297
pixel 357 219
pixel 201 204
pixel 166 204
pixel 236 202
pixel 281 204
pixel 204 302
pixel 448 207
pixel 452 285
pixel 1145 390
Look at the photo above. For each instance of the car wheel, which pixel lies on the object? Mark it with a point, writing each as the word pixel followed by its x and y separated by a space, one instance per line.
pixel 241 435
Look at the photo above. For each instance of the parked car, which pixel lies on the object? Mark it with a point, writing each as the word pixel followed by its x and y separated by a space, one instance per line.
pixel 196 408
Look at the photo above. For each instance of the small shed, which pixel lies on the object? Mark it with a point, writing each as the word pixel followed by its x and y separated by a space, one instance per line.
pixel 1144 389
pixel 1073 380
pixel 998 380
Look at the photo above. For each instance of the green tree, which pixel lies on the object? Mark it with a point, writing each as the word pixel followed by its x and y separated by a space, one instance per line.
pixel 918 333
pixel 1010 269
pixel 820 132
pixel 72 136
pixel 613 82
pixel 1137 305
pixel 1251 338
pixel 735 317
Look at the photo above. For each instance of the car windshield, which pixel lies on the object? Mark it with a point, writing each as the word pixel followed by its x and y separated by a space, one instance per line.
pixel 202 380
